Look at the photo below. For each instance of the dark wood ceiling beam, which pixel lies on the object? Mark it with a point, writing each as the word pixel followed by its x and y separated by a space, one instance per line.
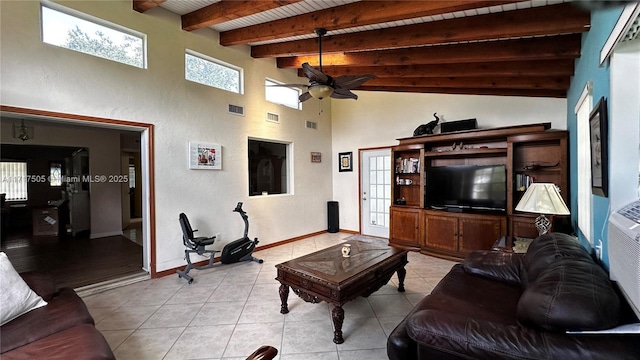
pixel 347 16
pixel 227 10
pixel 507 68
pixel 546 48
pixel 470 91
pixel 144 5
pixel 546 20
pixel 516 82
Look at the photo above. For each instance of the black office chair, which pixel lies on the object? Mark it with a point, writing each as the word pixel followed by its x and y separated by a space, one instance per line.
pixel 194 245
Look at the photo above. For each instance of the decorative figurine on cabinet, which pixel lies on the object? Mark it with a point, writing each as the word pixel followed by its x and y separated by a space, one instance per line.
pixel 428 127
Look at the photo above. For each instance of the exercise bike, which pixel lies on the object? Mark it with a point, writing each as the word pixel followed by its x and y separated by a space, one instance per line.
pixel 235 251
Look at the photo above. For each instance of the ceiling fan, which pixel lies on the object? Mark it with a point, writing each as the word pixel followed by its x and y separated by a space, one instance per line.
pixel 322 85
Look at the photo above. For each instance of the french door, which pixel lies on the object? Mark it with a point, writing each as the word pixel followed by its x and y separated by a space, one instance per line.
pixel 375 196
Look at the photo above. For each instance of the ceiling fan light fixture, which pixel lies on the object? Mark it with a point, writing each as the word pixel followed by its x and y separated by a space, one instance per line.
pixel 320 91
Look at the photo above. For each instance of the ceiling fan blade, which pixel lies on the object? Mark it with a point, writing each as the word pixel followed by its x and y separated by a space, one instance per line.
pixel 304 97
pixel 314 75
pixel 352 81
pixel 289 85
pixel 342 93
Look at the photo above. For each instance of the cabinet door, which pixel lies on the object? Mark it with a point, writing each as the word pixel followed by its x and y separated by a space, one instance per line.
pixel 405 227
pixel 480 233
pixel 441 232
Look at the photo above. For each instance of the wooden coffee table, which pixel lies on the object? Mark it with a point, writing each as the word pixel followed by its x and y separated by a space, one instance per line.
pixel 326 275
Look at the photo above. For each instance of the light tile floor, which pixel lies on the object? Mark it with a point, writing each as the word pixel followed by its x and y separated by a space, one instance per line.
pixel 231 310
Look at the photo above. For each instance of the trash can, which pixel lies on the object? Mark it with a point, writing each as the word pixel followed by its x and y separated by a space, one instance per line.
pixel 333 217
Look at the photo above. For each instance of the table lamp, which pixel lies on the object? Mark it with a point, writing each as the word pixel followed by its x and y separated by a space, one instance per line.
pixel 543 198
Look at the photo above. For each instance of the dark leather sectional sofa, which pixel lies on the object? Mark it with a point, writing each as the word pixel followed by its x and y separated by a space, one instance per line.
pixel 499 305
pixel 63 329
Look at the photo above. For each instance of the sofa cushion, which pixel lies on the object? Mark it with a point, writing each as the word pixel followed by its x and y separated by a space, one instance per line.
pixel 78 342
pixel 65 310
pixel 15 295
pixel 495 265
pixel 546 250
pixel 573 294
pixel 483 294
pixel 42 283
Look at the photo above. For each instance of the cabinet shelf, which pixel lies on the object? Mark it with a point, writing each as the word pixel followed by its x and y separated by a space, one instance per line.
pixel 467 152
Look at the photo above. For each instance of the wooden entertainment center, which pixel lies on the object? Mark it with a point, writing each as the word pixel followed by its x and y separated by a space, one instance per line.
pixel 528 152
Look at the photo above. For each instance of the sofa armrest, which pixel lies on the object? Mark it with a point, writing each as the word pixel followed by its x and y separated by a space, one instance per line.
pixel 496 265
pixel 41 283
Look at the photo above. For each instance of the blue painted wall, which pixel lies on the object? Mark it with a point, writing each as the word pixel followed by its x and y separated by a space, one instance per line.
pixel 587 68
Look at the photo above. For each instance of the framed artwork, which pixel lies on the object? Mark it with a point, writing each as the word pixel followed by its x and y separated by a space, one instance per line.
pixel 316 157
pixel 205 156
pixel 345 162
pixel 599 148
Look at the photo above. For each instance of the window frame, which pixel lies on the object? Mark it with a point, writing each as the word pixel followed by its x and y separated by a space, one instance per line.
pixel 96 21
pixel 288 164
pixel 268 84
pixel 15 180
pixel 238 69
pixel 582 111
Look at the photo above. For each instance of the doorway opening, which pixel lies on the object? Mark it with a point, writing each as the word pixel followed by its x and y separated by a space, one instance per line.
pixel 98 240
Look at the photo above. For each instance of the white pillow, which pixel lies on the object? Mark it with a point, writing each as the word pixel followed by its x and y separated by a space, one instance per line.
pixel 16 298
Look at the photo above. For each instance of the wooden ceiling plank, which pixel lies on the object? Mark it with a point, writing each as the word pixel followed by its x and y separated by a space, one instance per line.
pixel 227 10
pixel 564 67
pixel 563 18
pixel 144 5
pixel 545 48
pixel 348 16
pixel 507 82
pixel 469 91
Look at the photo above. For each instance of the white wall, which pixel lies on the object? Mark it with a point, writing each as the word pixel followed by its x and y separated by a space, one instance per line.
pixel 379 118
pixel 624 123
pixel 41 76
pixel 104 159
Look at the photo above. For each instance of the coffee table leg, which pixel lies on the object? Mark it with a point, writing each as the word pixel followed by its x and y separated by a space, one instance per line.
pixel 402 272
pixel 284 295
pixel 337 314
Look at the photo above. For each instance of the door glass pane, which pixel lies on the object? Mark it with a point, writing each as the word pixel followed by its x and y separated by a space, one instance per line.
pixel 379 191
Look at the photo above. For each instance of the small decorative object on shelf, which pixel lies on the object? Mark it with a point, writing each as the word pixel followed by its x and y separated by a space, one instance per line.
pixel 428 127
pixel 407 166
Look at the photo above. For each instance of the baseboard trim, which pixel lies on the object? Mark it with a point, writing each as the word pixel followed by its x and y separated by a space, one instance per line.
pixel 258 248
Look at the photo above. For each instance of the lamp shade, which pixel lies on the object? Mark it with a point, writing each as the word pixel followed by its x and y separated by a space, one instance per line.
pixel 320 91
pixel 543 198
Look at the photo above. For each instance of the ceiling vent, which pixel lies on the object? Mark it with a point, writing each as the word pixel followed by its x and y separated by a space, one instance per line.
pixel 312 125
pixel 273 117
pixel 236 109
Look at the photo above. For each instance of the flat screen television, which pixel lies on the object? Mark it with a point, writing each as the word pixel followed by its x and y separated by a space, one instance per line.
pixel 460 187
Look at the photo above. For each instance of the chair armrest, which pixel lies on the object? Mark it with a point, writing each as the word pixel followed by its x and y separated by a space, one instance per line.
pixel 265 352
pixel 496 265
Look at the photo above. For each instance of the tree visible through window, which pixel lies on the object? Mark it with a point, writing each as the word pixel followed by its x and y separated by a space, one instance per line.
pixel 213 73
pixel 71 32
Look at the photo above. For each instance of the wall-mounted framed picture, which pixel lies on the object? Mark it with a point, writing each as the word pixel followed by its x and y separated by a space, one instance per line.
pixel 316 157
pixel 345 162
pixel 598 123
pixel 205 156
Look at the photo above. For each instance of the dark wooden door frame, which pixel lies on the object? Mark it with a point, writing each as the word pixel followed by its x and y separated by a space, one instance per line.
pixel 88 121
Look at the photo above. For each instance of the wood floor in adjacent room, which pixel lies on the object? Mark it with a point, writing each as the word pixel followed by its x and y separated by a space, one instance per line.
pixel 74 261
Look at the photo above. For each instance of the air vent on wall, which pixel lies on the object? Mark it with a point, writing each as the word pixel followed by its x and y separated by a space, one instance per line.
pixel 236 109
pixel 633 31
pixel 272 117
pixel 312 125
